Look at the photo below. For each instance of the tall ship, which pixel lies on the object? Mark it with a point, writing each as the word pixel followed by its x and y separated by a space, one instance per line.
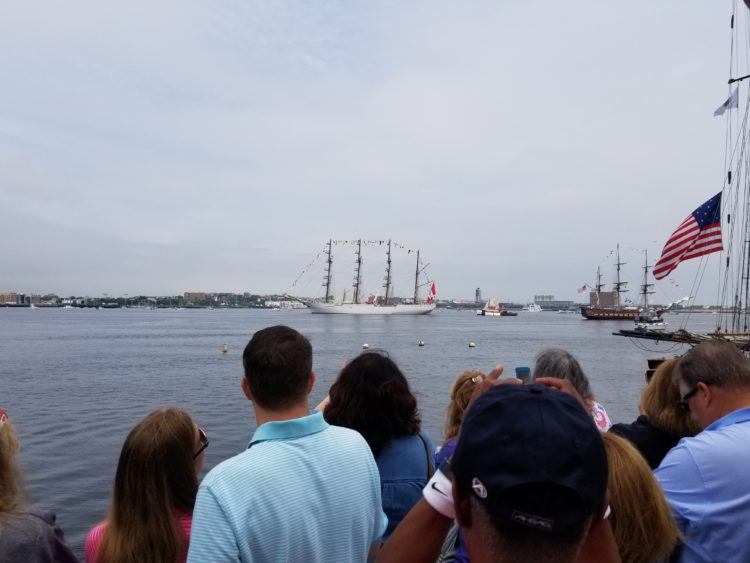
pixel 721 225
pixel 607 305
pixel 383 305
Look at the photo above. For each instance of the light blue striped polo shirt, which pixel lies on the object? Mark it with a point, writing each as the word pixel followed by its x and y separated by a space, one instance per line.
pixel 302 491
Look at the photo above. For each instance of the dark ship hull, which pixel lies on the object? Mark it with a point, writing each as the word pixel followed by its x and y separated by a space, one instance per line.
pixel 608 314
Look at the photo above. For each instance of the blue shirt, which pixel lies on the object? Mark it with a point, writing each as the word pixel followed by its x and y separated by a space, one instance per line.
pixel 706 480
pixel 302 491
pixel 403 468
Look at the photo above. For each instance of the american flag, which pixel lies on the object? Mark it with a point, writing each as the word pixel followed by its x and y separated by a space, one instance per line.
pixel 582 288
pixel 698 234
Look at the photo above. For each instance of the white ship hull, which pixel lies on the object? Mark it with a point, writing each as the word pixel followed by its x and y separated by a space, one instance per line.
pixel 368 309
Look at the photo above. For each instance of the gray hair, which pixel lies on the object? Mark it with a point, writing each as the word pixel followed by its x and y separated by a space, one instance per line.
pixel 556 362
pixel 714 362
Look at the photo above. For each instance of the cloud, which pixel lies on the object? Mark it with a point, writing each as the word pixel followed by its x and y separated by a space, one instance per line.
pixel 513 144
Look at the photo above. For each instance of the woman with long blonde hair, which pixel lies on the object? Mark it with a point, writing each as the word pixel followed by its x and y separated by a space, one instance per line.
pixel 662 423
pixel 27 533
pixel 641 519
pixel 154 492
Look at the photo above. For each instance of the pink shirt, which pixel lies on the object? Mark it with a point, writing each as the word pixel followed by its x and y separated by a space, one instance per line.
pixel 94 539
pixel 600 416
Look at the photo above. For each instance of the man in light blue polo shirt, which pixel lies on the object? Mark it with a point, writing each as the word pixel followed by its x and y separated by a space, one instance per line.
pixel 707 478
pixel 303 490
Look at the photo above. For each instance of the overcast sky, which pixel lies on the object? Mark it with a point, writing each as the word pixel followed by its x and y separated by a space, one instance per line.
pixel 215 146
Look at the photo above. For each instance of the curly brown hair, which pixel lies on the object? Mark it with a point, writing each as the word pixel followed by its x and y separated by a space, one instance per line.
pixel 372 396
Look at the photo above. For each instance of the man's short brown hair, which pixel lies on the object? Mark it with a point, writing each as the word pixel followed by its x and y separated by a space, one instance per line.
pixel 714 362
pixel 278 364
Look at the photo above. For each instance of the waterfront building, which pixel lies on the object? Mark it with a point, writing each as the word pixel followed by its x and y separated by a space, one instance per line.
pixel 548 302
pixel 12 298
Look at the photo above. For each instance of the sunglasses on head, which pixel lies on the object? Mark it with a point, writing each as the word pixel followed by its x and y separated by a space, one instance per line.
pixel 683 402
pixel 204 442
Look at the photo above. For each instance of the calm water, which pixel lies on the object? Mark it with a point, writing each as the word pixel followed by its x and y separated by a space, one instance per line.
pixel 75 381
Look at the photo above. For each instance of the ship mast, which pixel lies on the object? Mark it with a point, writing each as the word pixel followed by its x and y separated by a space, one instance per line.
pixel 619 285
pixel 599 284
pixel 327 276
pixel 387 284
pixel 358 271
pixel 416 281
pixel 645 286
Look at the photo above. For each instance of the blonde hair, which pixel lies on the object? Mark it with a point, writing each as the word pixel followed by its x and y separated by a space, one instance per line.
pixel 155 477
pixel 12 493
pixel 659 402
pixel 641 519
pixel 461 392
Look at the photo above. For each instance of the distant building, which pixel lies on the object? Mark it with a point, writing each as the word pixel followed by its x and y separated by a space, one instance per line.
pixel 196 296
pixel 548 302
pixel 284 304
pixel 12 298
pixel 478 295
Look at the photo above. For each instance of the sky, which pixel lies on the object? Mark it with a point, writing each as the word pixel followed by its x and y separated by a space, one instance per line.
pixel 157 148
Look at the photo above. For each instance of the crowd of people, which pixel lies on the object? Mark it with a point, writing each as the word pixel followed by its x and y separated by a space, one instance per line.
pixel 527 471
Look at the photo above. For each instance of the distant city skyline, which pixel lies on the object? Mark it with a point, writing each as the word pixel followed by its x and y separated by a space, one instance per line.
pixel 157 149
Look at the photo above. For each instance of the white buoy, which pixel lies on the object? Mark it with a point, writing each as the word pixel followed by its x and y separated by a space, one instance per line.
pixel 472 345
pixel 420 343
pixel 365 346
pixel 224 350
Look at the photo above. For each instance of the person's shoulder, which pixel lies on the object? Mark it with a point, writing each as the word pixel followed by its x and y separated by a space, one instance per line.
pixel 228 469
pixel 344 436
pixel 93 541
pixel 680 461
pixel 638 427
pixel 28 533
pixel 36 516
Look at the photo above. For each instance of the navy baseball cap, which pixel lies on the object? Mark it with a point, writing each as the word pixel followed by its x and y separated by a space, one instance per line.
pixel 533 456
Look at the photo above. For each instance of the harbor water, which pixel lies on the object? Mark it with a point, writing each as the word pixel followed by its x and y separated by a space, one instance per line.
pixel 74 381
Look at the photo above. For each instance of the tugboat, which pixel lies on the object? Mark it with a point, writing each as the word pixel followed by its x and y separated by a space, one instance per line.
pixel 493 308
pixel 606 305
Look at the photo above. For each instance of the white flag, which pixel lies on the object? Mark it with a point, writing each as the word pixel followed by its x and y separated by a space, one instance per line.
pixel 732 102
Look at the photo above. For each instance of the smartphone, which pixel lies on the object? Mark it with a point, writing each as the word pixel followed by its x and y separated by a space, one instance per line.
pixel 524 374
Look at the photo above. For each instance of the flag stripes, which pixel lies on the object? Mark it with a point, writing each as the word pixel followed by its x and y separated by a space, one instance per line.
pixel 699 234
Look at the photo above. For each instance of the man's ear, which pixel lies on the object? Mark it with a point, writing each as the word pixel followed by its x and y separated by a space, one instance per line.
pixel 246 389
pixel 462 508
pixel 705 395
pixel 310 382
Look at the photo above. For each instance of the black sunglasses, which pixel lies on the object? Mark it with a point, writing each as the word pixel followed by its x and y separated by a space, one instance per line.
pixel 204 442
pixel 683 403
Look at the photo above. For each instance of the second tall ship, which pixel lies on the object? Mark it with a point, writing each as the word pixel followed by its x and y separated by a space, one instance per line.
pixel 607 305
pixel 376 306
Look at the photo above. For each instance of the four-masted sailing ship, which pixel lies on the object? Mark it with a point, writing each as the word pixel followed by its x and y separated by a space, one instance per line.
pixel 377 306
